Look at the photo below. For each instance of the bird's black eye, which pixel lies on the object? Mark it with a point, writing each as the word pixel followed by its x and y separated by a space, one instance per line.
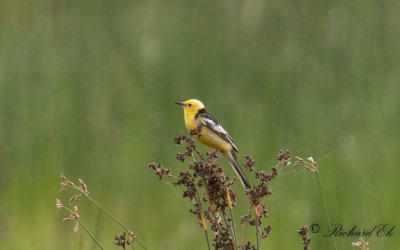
pixel 190 105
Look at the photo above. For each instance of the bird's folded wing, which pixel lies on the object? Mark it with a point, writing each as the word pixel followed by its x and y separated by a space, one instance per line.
pixel 211 123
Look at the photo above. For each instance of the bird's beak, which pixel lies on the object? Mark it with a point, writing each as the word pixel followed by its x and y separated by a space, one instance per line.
pixel 180 103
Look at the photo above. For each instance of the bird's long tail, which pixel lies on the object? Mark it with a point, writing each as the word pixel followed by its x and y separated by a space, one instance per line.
pixel 232 160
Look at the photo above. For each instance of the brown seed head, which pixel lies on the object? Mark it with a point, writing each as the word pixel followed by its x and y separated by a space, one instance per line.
pixel 284 157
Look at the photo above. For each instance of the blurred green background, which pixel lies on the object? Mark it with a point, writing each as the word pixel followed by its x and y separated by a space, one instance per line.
pixel 87 89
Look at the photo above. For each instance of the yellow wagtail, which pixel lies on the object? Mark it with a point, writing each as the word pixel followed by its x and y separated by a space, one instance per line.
pixel 211 134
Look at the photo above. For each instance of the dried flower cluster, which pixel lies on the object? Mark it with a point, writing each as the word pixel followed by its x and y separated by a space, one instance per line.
pixel 66 183
pixel 122 241
pixel 309 164
pixel 73 212
pixel 256 195
pixel 210 191
pixel 160 171
pixel 284 157
pixel 364 245
pixel 265 233
pixel 249 163
pixel 303 233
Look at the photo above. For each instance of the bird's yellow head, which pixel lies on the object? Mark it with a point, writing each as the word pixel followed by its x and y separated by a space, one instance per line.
pixel 191 106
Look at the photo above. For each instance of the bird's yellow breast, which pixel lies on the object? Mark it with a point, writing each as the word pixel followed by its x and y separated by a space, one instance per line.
pixel 209 138
pixel 190 121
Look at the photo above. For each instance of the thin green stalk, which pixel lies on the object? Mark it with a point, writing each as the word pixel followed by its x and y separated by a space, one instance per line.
pixel 88 232
pixel 325 208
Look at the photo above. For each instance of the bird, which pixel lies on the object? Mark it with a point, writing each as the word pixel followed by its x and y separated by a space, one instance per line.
pixel 212 134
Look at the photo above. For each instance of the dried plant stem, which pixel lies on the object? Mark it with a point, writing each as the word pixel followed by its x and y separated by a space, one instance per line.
pixel 112 217
pixel 108 213
pixel 220 229
pixel 245 230
pixel 197 199
pixel 88 232
pixel 194 158
pixel 210 204
pixel 219 195
pixel 208 242
pixel 83 226
pixel 325 208
pixel 258 234
pixel 241 239
pixel 229 227
pixel 233 228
